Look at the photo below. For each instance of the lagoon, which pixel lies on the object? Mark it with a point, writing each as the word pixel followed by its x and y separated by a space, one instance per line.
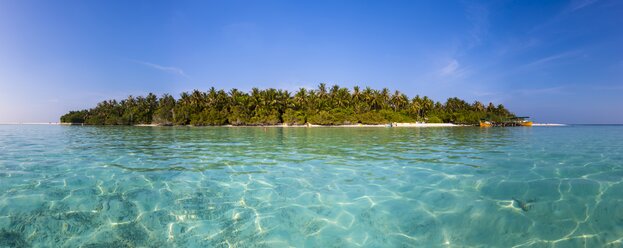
pixel 310 187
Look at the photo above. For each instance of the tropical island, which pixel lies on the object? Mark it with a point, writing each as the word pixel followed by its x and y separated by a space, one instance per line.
pixel 322 106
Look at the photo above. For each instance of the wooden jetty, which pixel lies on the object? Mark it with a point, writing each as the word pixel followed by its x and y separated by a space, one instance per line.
pixel 512 122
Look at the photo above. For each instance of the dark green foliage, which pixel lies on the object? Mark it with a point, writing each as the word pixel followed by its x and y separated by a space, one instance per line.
pixel 74 117
pixel 324 106
pixel 164 111
pixel 209 117
pixel 294 117
pixel 332 117
pixel 371 117
pixel 434 119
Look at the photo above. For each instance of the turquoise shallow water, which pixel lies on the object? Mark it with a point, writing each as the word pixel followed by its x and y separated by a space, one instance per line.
pixel 311 187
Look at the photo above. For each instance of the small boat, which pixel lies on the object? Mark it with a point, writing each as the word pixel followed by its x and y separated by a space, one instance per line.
pixel 522 121
pixel 486 124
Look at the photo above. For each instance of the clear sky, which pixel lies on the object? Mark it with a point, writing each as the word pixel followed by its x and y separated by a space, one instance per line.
pixel 556 61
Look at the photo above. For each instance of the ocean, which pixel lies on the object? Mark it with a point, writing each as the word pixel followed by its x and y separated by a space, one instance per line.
pixel 71 186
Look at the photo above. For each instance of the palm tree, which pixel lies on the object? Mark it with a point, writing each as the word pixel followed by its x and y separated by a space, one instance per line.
pixel 164 113
pixel 478 106
pixel 356 94
pixel 427 105
pixel 300 99
pixel 197 99
pixel 357 100
pixel 342 98
pixel 183 109
pixel 313 101
pixel 380 100
pixel 322 96
pixel 416 106
pixel 491 108
pixel 271 106
pixel 399 101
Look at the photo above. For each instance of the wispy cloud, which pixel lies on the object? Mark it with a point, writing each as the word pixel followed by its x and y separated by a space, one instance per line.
pixel 453 69
pixel 555 57
pixel 450 69
pixel 478 15
pixel 566 11
pixel 167 69
pixel 546 91
pixel 580 4
pixel 609 88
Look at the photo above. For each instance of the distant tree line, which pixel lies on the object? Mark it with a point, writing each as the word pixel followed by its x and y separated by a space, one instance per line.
pixel 322 106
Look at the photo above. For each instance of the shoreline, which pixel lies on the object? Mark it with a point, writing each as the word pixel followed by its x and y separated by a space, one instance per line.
pixel 314 125
pixel 548 125
pixel 406 124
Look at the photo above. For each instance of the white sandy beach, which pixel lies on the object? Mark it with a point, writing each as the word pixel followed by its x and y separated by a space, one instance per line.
pixel 368 125
pixel 417 124
pixel 548 125
pixel 350 125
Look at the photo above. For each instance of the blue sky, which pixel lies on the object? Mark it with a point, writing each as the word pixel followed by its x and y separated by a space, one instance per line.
pixel 557 61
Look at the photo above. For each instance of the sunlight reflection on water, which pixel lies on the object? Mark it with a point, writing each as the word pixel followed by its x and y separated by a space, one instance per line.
pixel 321 187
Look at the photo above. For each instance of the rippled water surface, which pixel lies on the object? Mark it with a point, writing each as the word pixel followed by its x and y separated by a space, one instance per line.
pixel 310 187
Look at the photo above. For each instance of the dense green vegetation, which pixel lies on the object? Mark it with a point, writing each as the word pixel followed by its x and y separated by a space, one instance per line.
pixel 323 106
